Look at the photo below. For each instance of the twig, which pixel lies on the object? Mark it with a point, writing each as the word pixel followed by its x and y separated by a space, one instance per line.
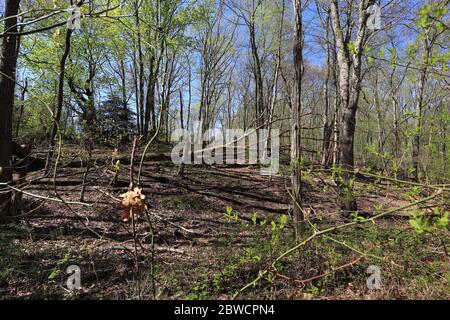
pixel 130 187
pixel 152 257
pixel 444 187
pixel 350 264
pixel 46 198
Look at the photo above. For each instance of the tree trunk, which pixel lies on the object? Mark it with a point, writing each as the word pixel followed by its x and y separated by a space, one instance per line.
pixel 59 99
pixel 124 95
pixel 327 131
pixel 349 66
pixel 348 114
pixel 380 117
pixel 296 128
pixel 259 90
pixel 140 72
pixel 150 117
pixel 273 95
pixel 136 94
pixel 21 106
pixel 181 167
pixel 8 64
pixel 417 132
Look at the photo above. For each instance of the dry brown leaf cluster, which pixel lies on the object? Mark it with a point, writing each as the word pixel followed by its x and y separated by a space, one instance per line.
pixel 133 203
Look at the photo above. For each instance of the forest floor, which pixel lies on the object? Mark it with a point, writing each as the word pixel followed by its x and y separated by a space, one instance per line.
pixel 202 250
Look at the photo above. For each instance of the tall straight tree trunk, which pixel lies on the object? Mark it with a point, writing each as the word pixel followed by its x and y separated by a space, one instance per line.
pixel 59 99
pixel 334 145
pixel 150 117
pixel 22 106
pixel 296 128
pixel 418 131
pixel 140 71
pixel 124 94
pixel 259 90
pixel 136 95
pixel 395 112
pixel 380 117
pixel 190 96
pixel 257 75
pixel 170 66
pixel 327 128
pixel 8 63
pixel 273 95
pixel 23 88
pixel 181 167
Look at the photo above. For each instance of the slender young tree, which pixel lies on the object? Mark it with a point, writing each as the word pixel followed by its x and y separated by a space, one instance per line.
pixel 296 127
pixel 59 99
pixel 430 28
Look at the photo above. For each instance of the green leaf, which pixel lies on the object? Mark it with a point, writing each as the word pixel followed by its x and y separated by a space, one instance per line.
pixel 352 48
pixel 254 217
pixel 417 225
pixel 53 274
pixel 443 221
pixel 117 165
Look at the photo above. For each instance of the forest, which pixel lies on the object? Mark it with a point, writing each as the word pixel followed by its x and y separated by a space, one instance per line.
pixel 225 149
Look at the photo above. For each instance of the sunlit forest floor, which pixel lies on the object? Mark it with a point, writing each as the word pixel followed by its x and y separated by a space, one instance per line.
pixel 201 249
